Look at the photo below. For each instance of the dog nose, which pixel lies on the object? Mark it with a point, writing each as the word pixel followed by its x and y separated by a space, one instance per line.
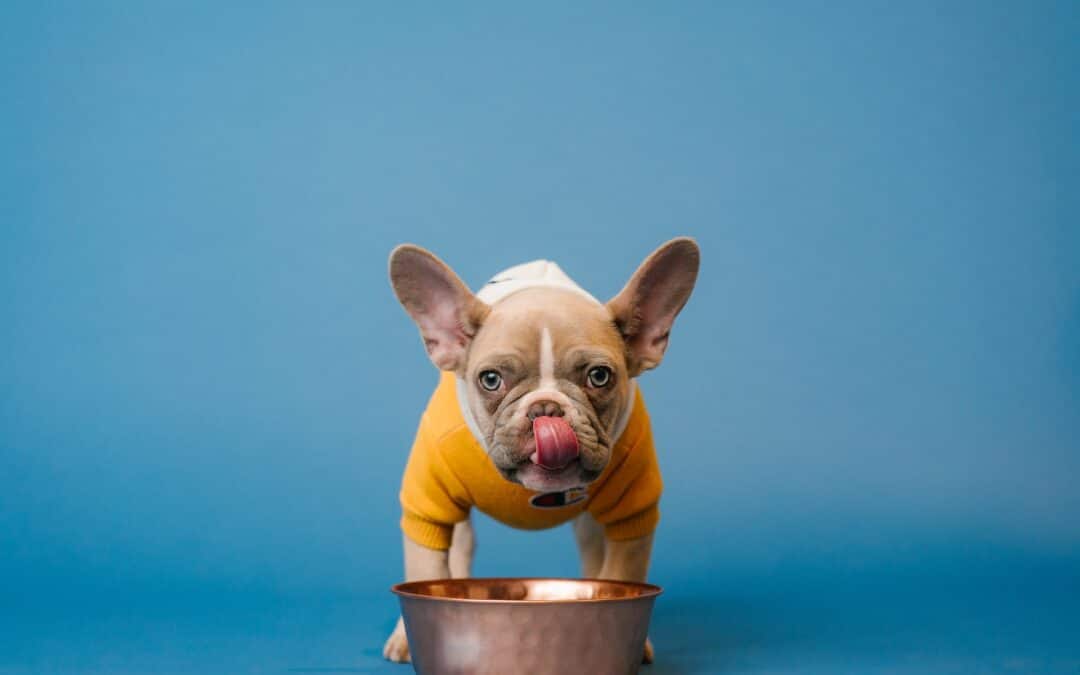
pixel 545 409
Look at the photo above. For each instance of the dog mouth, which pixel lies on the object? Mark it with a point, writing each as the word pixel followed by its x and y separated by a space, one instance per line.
pixel 538 479
pixel 548 456
pixel 554 443
pixel 552 457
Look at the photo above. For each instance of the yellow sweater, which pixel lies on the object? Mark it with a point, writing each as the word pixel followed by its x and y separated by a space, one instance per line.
pixel 448 473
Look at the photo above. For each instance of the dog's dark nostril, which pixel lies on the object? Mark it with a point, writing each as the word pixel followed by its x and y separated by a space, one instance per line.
pixel 544 409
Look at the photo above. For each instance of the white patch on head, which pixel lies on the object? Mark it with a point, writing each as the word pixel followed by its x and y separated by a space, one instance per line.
pixel 547 389
pixel 547 361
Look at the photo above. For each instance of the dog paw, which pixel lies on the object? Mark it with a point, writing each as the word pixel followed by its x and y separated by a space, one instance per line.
pixel 648 657
pixel 396 648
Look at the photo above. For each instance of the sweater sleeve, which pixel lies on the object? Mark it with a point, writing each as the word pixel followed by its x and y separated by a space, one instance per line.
pixel 431 495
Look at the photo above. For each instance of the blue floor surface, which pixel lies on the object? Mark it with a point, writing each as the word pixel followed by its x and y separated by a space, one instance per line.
pixel 1016 615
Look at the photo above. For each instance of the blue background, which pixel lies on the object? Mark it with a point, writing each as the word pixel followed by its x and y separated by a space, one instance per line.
pixel 868 418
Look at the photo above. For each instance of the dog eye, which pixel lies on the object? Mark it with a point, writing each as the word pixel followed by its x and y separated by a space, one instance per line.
pixel 490 380
pixel 600 376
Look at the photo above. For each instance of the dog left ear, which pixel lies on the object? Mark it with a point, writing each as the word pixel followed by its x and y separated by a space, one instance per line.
pixel 645 309
pixel 440 303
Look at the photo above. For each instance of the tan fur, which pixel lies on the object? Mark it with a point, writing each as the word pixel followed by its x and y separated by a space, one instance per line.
pixel 462 334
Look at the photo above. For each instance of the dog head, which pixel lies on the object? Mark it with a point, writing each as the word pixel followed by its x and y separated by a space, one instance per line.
pixel 545 372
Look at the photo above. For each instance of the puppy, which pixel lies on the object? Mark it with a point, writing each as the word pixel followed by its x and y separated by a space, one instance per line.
pixel 537 419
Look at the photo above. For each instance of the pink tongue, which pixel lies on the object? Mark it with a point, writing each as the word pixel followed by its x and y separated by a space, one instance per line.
pixel 556 444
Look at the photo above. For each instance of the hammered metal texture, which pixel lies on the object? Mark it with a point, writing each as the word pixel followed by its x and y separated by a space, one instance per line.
pixel 527 626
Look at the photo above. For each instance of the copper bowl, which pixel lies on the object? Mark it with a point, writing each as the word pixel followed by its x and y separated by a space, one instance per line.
pixel 534 626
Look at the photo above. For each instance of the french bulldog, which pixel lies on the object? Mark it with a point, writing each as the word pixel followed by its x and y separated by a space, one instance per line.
pixel 538 419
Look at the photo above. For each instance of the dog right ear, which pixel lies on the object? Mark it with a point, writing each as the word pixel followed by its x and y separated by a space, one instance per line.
pixel 443 307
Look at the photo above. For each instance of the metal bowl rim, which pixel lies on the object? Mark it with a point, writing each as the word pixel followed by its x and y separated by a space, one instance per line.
pixel 649 591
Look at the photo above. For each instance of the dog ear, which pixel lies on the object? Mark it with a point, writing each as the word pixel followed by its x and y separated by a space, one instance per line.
pixel 444 308
pixel 646 307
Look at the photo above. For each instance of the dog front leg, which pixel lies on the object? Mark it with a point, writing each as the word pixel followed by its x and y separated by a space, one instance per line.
pixel 629 561
pixel 462 549
pixel 589 536
pixel 420 563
